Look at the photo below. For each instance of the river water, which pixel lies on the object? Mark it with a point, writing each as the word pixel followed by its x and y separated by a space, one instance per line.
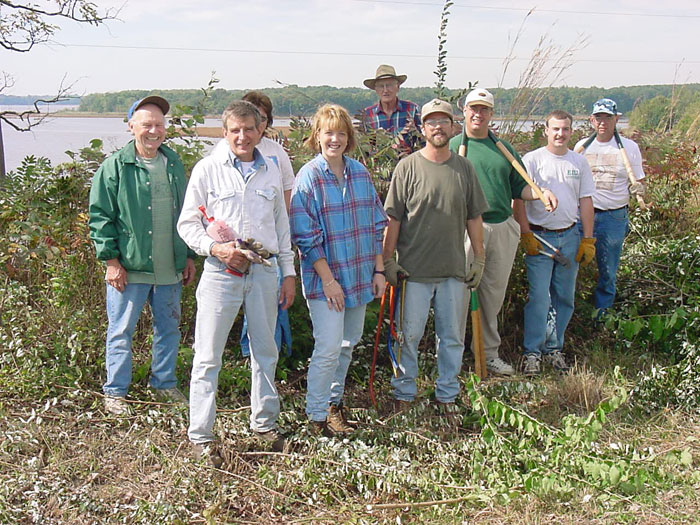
pixel 53 137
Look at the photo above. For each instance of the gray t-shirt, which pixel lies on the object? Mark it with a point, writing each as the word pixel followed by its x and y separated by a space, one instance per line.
pixel 433 201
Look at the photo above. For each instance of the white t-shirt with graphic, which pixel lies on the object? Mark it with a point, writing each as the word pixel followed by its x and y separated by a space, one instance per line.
pixel 568 176
pixel 609 173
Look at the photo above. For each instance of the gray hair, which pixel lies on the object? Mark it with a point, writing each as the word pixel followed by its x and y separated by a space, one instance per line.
pixel 241 109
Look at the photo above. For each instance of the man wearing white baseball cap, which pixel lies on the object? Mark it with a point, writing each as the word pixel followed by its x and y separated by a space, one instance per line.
pixel 501 184
pixel 433 198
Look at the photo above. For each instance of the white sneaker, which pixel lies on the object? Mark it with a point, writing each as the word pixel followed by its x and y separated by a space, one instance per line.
pixel 117 406
pixel 532 365
pixel 499 367
pixel 170 395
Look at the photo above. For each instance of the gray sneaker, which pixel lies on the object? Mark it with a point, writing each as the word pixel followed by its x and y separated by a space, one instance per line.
pixel 209 453
pixel 170 395
pixel 117 406
pixel 499 367
pixel 556 361
pixel 532 365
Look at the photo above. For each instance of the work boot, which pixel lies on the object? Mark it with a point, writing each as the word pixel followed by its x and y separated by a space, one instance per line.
pixel 499 367
pixel 557 361
pixel 208 452
pixel 170 395
pixel 117 406
pixel 400 406
pixel 319 429
pixel 276 440
pixel 532 365
pixel 336 422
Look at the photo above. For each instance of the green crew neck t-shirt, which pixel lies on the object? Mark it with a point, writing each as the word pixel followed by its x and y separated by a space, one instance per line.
pixel 433 201
pixel 499 179
pixel 163 254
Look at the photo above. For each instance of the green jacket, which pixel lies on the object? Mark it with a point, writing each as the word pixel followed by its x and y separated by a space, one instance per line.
pixel 120 210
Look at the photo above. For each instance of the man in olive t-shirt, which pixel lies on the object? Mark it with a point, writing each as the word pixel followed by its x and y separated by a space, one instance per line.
pixel 434 196
pixel 501 184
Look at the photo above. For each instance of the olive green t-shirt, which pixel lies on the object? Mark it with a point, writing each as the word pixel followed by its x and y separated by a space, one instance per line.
pixel 433 201
pixel 498 178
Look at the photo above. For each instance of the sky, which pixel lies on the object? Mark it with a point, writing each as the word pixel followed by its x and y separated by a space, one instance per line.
pixel 173 44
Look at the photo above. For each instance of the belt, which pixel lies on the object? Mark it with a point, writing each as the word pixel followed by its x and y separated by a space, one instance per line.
pixel 598 210
pixel 538 228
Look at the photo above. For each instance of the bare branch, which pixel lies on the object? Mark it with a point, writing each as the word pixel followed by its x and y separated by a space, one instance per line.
pixel 26 120
pixel 27 25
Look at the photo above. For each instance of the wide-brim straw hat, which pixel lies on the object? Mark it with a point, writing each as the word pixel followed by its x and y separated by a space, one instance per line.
pixel 384 71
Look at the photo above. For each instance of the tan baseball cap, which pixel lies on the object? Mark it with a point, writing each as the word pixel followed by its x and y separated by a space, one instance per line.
pixel 479 97
pixel 436 106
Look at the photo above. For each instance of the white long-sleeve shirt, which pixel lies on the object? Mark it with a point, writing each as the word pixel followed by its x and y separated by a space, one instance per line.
pixel 253 208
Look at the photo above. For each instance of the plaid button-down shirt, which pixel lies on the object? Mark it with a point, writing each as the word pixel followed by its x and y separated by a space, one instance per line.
pixel 406 111
pixel 343 223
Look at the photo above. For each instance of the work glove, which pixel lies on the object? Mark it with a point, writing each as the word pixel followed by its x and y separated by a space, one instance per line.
pixel 637 189
pixel 586 251
pixel 531 245
pixel 475 271
pixel 394 272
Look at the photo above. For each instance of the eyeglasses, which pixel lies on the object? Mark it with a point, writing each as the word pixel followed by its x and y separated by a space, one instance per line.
pixel 381 86
pixel 433 123
pixel 603 117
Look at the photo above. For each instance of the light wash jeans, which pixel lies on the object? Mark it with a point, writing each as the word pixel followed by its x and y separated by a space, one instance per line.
pixel 335 335
pixel 550 284
pixel 123 312
pixel 610 229
pixel 220 295
pixel 449 301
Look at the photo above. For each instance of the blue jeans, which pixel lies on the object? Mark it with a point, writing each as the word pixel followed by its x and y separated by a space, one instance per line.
pixel 550 284
pixel 335 335
pixel 610 229
pixel 123 312
pixel 449 301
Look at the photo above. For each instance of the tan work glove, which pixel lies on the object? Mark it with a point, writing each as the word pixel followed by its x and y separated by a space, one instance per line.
pixel 475 271
pixel 531 245
pixel 637 189
pixel 394 271
pixel 586 251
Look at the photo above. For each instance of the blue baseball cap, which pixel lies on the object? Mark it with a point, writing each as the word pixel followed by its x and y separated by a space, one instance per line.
pixel 152 99
pixel 605 105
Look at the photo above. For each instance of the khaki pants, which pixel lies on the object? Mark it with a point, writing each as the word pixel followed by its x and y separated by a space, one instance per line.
pixel 500 243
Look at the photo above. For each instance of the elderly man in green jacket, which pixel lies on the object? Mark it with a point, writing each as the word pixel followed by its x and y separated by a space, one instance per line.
pixel 135 200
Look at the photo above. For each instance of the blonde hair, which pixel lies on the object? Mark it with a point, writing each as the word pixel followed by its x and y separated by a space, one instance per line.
pixel 333 117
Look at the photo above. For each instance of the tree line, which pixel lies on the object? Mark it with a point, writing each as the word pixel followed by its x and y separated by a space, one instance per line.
pixel 293 100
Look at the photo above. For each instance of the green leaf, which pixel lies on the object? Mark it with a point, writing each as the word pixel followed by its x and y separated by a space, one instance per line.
pixel 614 475
pixel 686 458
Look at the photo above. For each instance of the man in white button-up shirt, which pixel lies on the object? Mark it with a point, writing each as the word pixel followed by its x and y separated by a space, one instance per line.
pixel 242 188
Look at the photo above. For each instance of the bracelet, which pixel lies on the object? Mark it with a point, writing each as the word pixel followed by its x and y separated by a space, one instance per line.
pixel 380 272
pixel 329 283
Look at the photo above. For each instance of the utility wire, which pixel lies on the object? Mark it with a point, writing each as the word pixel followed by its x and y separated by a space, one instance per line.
pixel 340 53
pixel 534 9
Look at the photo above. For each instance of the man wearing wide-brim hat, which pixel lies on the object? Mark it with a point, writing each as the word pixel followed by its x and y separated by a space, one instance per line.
pixel 399 117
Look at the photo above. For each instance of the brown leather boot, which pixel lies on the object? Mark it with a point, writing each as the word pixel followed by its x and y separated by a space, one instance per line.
pixel 336 421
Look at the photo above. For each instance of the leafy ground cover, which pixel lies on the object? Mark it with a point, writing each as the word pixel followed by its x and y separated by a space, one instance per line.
pixel 615 441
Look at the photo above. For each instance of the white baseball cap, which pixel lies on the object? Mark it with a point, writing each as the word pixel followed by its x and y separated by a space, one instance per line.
pixel 479 96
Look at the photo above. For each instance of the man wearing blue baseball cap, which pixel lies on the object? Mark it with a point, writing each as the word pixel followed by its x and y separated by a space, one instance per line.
pixel 135 200
pixel 612 194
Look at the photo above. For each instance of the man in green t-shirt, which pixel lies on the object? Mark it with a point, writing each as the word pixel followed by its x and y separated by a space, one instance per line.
pixel 501 184
pixel 433 198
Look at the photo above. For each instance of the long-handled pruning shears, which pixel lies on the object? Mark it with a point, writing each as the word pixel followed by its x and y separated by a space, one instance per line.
pixel 395 337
